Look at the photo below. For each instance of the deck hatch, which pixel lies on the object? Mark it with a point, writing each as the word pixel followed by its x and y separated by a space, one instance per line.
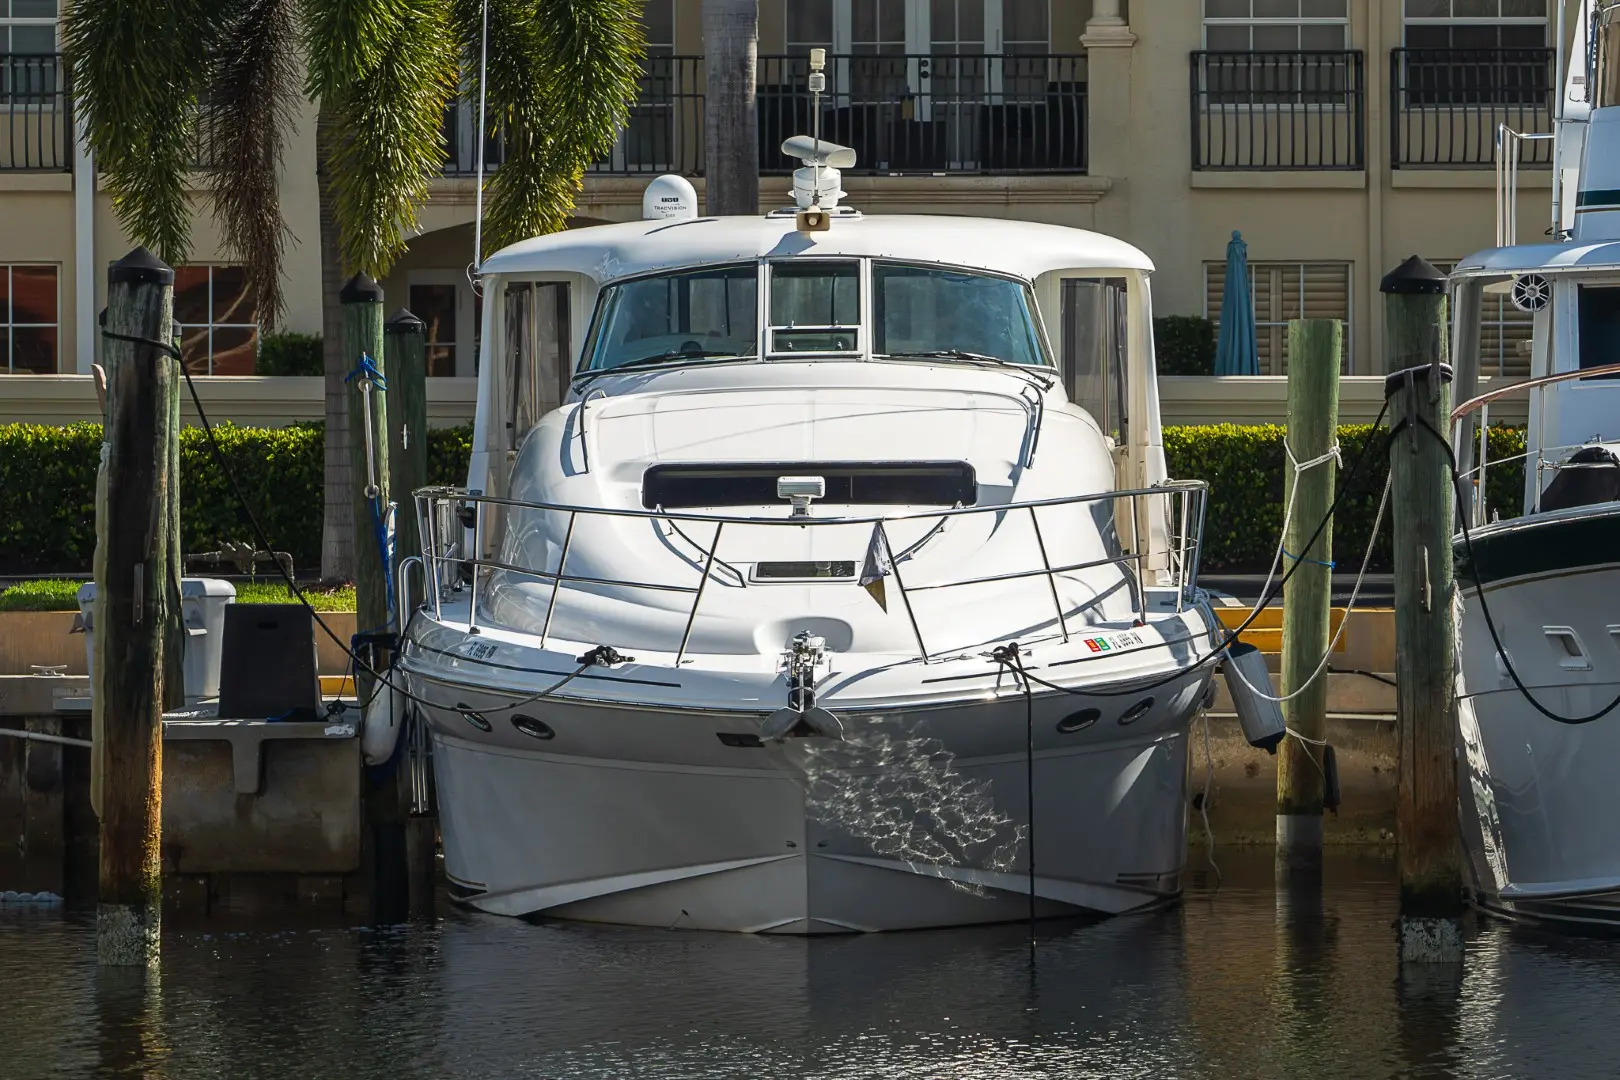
pixel 896 483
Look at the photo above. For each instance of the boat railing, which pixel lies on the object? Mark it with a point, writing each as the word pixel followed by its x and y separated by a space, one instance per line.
pixel 456 527
pixel 1509 151
pixel 1547 458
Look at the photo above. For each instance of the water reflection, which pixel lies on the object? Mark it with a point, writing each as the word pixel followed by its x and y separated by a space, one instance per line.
pixel 1247 981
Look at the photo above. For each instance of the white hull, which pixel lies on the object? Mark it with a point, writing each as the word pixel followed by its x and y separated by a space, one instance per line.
pixel 1540 798
pixel 646 816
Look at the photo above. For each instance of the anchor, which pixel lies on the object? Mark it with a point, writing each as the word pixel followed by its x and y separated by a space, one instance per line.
pixel 802 717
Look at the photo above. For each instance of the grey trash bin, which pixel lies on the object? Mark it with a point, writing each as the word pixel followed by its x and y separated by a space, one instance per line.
pixel 202 604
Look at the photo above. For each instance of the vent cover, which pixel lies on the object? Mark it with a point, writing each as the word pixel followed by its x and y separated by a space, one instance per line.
pixel 900 483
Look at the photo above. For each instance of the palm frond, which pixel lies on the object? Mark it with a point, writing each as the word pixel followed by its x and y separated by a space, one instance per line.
pixel 346 40
pixel 138 68
pixel 562 75
pixel 253 91
pixel 390 138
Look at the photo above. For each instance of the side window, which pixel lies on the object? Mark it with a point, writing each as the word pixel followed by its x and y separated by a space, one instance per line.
pixel 1093 314
pixel 537 332
pixel 1599 314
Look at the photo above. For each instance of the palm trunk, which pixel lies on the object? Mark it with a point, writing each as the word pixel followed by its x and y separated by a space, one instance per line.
pixel 337 523
pixel 730 126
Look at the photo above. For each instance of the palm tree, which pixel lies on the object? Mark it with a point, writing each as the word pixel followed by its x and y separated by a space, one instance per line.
pixel 730 131
pixel 155 79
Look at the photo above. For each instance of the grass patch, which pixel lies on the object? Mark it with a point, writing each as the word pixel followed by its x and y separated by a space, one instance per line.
pixel 57 594
pixel 49 595
pixel 266 592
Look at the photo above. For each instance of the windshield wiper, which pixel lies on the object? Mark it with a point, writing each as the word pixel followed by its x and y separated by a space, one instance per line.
pixel 658 359
pixel 973 358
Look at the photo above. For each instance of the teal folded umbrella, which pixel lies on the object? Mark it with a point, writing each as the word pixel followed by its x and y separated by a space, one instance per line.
pixel 1234 350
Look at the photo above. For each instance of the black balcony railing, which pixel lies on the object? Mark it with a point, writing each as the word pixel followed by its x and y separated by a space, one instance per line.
pixel 932 114
pixel 1446 105
pixel 38 135
pixel 1278 110
pixel 902 114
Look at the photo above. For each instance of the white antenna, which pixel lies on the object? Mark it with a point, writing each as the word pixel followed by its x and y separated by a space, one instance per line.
pixel 483 104
pixel 818 84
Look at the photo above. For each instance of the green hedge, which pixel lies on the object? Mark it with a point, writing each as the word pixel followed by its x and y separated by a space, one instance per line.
pixel 48 488
pixel 48 478
pixel 1184 345
pixel 1245 465
pixel 288 353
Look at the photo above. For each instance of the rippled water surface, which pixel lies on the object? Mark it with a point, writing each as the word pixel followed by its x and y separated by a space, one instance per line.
pixel 1244 982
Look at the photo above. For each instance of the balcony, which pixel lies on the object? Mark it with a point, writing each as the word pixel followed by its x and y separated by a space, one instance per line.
pixel 36 122
pixel 1278 111
pixel 1446 105
pixel 903 114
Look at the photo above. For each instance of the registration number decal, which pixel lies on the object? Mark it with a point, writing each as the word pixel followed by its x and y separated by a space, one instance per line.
pixel 1113 642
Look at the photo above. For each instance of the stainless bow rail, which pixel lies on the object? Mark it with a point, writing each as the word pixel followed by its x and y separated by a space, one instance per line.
pixel 1548 458
pixel 446 516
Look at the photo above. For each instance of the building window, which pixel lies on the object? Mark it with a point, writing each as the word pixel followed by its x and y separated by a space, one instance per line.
pixel 1504 333
pixel 452 315
pixel 217 317
pixel 1276 52
pixel 31 72
pixel 1477 52
pixel 1476 24
pixel 27 27
pixel 30 308
pixel 1281 291
pixel 1276 25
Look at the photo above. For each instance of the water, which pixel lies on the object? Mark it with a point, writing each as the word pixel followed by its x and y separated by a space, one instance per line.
pixel 1243 982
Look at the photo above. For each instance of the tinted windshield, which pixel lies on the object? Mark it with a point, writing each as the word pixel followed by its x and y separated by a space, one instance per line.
pixel 922 310
pixel 702 314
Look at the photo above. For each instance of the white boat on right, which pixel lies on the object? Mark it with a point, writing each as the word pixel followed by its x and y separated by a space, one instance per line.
pixel 1539 649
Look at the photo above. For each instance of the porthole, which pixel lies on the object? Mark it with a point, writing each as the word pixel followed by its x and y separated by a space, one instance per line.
pixel 534 729
pixel 1078 721
pixel 476 719
pixel 1136 712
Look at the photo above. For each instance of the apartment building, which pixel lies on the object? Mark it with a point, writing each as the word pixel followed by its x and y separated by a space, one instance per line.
pixel 1338 136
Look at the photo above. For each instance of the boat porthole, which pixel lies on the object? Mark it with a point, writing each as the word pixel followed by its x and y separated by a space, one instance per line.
pixel 1078 721
pixel 534 729
pixel 474 718
pixel 1137 711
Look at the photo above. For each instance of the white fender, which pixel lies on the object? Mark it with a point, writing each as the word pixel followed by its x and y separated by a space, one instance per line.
pixel 381 723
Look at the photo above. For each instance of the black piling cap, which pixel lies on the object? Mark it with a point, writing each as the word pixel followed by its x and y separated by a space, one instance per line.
pixel 403 322
pixel 1394 380
pixel 360 289
pixel 1414 277
pixel 140 267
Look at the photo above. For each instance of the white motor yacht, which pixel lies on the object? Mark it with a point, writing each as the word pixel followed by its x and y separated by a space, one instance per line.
pixel 791 591
pixel 1539 679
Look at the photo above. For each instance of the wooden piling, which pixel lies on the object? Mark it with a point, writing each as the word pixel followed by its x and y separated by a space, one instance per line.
pixel 407 471
pixel 362 302
pixel 135 523
pixel 1313 417
pixel 1423 517
pixel 407 422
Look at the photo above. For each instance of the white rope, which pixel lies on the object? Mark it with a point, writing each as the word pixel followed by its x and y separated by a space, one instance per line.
pixel 1299 467
pixel 1355 593
pixel 1203 804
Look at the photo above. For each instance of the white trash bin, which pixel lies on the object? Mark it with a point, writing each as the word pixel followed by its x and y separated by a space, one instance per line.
pixel 202 605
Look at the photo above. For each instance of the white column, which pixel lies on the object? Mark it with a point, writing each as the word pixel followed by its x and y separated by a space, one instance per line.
pixel 1106 26
pixel 86 328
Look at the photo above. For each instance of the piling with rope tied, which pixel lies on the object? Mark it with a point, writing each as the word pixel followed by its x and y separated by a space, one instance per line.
pixel 366 385
pixel 1421 497
pixel 136 603
pixel 1313 414
pixel 406 356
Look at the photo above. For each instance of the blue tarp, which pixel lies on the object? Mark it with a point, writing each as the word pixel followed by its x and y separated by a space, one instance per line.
pixel 1234 351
